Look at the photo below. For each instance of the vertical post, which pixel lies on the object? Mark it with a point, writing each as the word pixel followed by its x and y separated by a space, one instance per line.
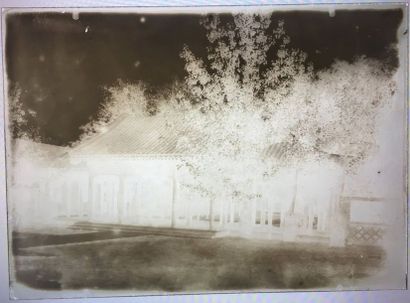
pixel 137 201
pixel 340 220
pixel 120 199
pixel 211 211
pixel 46 197
pixel 174 196
pixel 222 213
pixel 228 211
pixel 64 199
pixel 253 215
pixel 188 212
pixel 270 213
pixel 90 202
pixel 231 211
pixel 310 217
pixel 282 214
pixel 262 212
pixel 293 205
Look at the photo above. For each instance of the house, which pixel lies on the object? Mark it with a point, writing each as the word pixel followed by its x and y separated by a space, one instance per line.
pixel 134 179
pixel 38 187
pixel 131 174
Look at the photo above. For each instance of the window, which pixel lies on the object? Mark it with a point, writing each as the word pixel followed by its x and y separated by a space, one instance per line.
pixel 315 223
pixel 258 217
pixel 276 219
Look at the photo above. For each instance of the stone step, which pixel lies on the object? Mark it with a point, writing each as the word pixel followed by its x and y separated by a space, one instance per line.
pixel 148 230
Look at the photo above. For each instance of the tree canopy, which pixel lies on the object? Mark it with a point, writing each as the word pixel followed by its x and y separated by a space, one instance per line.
pixel 243 105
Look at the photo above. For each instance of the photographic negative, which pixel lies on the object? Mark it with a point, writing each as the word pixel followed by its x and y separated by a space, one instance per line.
pixel 217 149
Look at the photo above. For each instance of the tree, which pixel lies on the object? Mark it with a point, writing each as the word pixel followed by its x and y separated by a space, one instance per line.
pixel 21 119
pixel 238 85
pixel 230 101
pixel 254 105
pixel 346 100
pixel 238 68
pixel 121 99
pixel 240 103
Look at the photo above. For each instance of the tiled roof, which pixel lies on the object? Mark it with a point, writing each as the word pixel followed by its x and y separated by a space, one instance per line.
pixel 131 135
pixel 152 135
pixel 37 148
pixel 51 155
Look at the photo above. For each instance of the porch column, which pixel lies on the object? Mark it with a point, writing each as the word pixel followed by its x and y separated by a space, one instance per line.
pixel 90 203
pixel 270 213
pixel 231 210
pixel 211 213
pixel 120 199
pixel 174 197
pixel 253 214
pixel 222 213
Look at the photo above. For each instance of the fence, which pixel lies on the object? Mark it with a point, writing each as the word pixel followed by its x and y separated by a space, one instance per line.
pixel 365 234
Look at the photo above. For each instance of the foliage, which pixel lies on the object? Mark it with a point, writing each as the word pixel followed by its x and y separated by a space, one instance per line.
pixel 341 110
pixel 254 105
pixel 121 99
pixel 20 117
pixel 230 101
pixel 242 103
pixel 237 68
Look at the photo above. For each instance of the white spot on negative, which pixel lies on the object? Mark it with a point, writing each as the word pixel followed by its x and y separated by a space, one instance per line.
pixel 87 29
pixel 42 58
pixel 137 63
pixel 142 19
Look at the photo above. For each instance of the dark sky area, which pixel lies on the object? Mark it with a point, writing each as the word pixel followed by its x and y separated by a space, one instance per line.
pixel 63 64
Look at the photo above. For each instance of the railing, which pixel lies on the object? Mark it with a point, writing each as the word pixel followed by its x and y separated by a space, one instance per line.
pixel 365 233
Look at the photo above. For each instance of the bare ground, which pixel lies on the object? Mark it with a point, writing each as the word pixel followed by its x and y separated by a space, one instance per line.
pixel 158 263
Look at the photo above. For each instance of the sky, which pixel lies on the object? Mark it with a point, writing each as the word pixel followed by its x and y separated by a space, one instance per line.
pixel 63 62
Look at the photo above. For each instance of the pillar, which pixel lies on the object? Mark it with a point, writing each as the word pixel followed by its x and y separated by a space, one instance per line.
pixel 120 199
pixel 174 197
